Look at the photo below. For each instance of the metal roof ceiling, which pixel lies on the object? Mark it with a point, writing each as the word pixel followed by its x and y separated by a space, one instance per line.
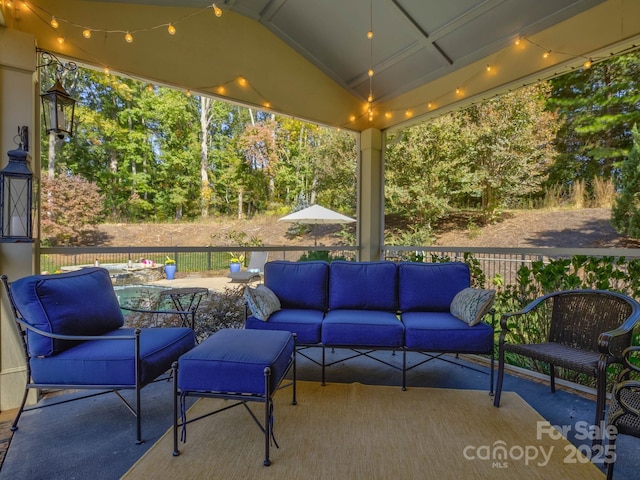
pixel 310 58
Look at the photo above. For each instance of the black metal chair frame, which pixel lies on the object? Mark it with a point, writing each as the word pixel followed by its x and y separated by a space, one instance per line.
pixel 135 409
pixel 610 345
pixel 240 399
pixel 366 351
pixel 624 413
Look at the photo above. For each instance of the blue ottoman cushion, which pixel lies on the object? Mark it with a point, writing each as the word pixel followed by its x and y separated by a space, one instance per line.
pixel 233 361
pixel 357 328
pixel 442 332
pixel 306 324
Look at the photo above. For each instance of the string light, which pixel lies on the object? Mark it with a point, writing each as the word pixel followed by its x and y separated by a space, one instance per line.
pixel 519 41
pixel 60 40
pixel 171 29
pixel 221 90
pixel 242 81
pixel 216 10
pixel 54 23
pixel 86 33
pixel 128 37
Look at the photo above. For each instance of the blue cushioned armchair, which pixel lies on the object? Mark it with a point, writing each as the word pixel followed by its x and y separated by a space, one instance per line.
pixel 72 332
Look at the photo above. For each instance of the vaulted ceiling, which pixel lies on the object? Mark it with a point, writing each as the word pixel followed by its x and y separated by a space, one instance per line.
pixel 310 58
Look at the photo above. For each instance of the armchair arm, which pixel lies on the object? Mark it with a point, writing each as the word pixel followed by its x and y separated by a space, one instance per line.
pixel 614 342
pixel 528 308
pixel 80 338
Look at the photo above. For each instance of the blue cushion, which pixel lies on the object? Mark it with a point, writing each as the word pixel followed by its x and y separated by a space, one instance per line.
pixel 442 332
pixel 234 360
pixel 82 302
pixel 306 324
pixel 430 287
pixel 302 285
pixel 363 286
pixel 112 362
pixel 357 328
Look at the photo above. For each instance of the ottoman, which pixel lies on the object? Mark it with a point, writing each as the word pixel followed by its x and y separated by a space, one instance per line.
pixel 242 365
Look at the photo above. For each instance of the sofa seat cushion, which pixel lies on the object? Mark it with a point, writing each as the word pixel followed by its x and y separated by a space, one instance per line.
pixel 234 361
pixel 363 286
pixel 82 302
pixel 430 287
pixel 442 332
pixel 306 324
pixel 302 285
pixel 369 328
pixel 112 362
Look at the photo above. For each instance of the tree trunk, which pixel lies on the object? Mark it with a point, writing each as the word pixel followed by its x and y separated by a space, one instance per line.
pixel 52 155
pixel 205 190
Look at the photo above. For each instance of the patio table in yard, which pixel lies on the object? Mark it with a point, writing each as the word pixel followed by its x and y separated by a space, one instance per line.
pixel 186 299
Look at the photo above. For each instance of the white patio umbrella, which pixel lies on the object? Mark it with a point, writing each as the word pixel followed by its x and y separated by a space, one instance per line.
pixel 315 215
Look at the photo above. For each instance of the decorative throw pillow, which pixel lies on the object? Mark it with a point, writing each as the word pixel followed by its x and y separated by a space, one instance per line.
pixel 262 301
pixel 471 304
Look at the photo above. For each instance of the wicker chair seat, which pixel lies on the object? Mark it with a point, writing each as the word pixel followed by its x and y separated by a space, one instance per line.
pixel 582 361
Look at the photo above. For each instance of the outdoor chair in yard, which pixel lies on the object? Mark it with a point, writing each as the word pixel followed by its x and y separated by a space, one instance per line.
pixel 585 330
pixel 624 412
pixel 254 270
pixel 71 329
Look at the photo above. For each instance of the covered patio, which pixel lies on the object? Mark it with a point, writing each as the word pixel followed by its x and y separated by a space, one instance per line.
pixel 313 61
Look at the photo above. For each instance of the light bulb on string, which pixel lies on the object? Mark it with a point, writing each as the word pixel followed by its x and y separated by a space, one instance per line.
pixel 216 10
pixel 370 34
pixel 546 54
pixel 86 33
pixel 54 22
pixel 171 29
pixel 587 64
pixel 60 40
pixel 128 38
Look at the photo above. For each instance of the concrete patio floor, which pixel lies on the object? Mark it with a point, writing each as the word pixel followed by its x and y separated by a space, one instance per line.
pixel 70 431
pixel 73 429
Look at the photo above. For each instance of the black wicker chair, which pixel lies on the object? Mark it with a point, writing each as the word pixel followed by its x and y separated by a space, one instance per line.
pixel 586 330
pixel 624 412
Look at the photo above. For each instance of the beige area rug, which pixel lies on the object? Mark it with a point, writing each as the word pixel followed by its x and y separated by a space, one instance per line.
pixel 353 431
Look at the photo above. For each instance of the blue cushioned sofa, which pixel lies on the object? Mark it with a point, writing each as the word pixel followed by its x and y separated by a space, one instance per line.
pixel 73 336
pixel 368 306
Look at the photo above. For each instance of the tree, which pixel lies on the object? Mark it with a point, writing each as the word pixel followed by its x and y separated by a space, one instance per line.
pixel 508 147
pixel 72 209
pixel 598 106
pixel 625 214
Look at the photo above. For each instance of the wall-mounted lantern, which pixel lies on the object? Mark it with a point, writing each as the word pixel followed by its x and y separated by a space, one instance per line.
pixel 16 199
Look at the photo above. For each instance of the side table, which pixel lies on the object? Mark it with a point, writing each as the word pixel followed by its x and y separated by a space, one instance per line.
pixel 186 299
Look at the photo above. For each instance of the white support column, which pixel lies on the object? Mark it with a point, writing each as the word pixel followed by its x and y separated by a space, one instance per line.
pixel 371 195
pixel 17 108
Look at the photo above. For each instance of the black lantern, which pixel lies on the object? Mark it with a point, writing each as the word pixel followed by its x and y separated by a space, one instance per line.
pixel 16 183
pixel 58 108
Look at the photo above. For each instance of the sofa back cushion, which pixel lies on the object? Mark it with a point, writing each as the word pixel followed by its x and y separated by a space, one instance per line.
pixel 303 285
pixel 430 287
pixel 82 302
pixel 363 286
